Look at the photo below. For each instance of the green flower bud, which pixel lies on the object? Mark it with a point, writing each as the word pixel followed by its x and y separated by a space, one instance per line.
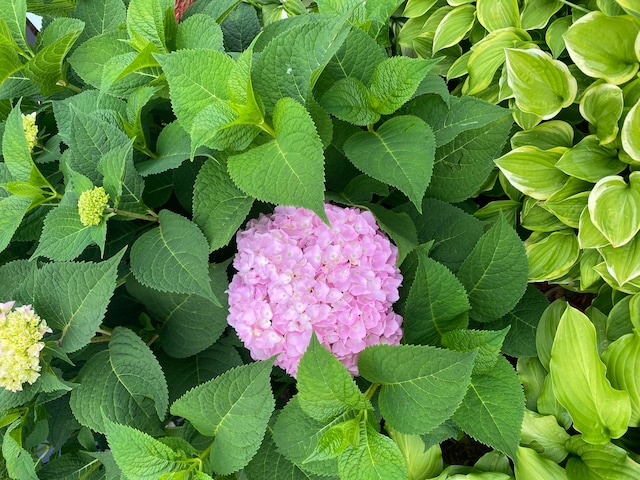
pixel 91 205
pixel 622 359
pixel 532 466
pixel 20 332
pixel 30 130
pixel 543 434
pixel 421 463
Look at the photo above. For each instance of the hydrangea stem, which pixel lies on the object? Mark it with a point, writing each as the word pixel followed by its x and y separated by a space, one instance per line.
pixel 151 217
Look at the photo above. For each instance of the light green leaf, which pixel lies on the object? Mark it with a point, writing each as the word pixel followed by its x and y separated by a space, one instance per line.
pixel 614 208
pixel 412 376
pixel 590 161
pixel 18 461
pixel 350 100
pixel 173 257
pixel 630 130
pixel 73 297
pixel 545 136
pixel 495 273
pixel 14 12
pixel 12 211
pixel 219 207
pixel 541 85
pixel 325 387
pixel 377 457
pixel 146 20
pixel 294 158
pixel 622 358
pixel 588 234
pixel 537 13
pixel 601 105
pixel 123 384
pixel 622 262
pixel 487 342
pixel 554 36
pixel 599 411
pixel 15 150
pixel 9 61
pixel 603 46
pixel 196 79
pixel 99 17
pixel 551 256
pixel 235 408
pixel 64 237
pixel 199 31
pixel 139 455
pixel 437 303
pixel 594 462
pixel 454 27
pixel 498 14
pixel 533 171
pixel 120 66
pixel 493 408
pixel 336 440
pixel 530 465
pixel 391 155
pixel 190 323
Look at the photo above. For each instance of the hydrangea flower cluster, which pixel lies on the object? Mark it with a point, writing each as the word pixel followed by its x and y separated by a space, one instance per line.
pixel 21 330
pixel 296 275
pixel 30 130
pixel 91 205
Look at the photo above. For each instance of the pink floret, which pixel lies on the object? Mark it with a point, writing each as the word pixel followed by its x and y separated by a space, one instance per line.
pixel 296 275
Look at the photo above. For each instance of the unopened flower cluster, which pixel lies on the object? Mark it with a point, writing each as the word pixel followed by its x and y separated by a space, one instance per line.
pixel 30 130
pixel 91 205
pixel 296 275
pixel 21 330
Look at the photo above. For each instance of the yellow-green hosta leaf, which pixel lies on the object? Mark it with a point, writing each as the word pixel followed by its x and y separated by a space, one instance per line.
pixel 622 359
pixel 487 56
pixel 632 287
pixel 595 462
pixel 537 13
pixel 454 27
pixel 551 256
pixel 554 35
pixel 533 171
pixel 535 218
pixel 630 135
pixel 603 46
pixel 542 433
pixel 623 262
pixel 497 14
pixel 548 404
pixel 590 161
pixel 601 105
pixel 541 85
pixel 530 465
pixel 547 135
pixel 630 6
pixel 614 207
pixel 588 234
pixel 589 279
pixel 599 411
pixel 568 210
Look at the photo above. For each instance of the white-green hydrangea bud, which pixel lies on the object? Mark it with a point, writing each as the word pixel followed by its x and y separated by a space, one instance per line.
pixel 91 205
pixel 21 330
pixel 30 129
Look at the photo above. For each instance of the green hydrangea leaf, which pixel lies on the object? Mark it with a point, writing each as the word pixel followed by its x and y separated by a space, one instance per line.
pixel 601 105
pixel 614 208
pixel 173 257
pixel 241 26
pixel 219 207
pixel 603 46
pixel 437 302
pixel 14 13
pixel 487 342
pixel 454 27
pixel 412 376
pixel 190 323
pixel 139 455
pixel 599 412
pixel 18 461
pixel 15 150
pixel 398 226
pixel 199 31
pixel 12 211
pixel 390 154
pixel 350 100
pixel 73 297
pixel 123 384
pixel 99 17
pixel 294 158
pixel 493 408
pixel 541 85
pixel 495 273
pixel 325 387
pixel 173 147
pixel 146 22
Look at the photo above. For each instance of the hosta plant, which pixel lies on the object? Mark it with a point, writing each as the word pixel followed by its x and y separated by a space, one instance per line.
pixel 147 161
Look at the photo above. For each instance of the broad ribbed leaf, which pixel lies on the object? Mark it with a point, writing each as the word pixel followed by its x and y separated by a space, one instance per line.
pixel 630 132
pixel 551 256
pixel 601 105
pixel 400 153
pixel 594 462
pixel 350 100
pixel 173 257
pixel 294 158
pixel 495 273
pixel 15 150
pixel 199 31
pixel 537 13
pixel 14 12
pixel 235 408
pixel 454 27
pixel 123 384
pixel 325 387
pixel 493 408
pixel 590 161
pixel 622 358
pixel 546 135
pixel 412 376
pixel 623 263
pixel 100 16
pixel 146 20
pixel 599 411
pixel 12 211
pixel 487 343
pixel 498 14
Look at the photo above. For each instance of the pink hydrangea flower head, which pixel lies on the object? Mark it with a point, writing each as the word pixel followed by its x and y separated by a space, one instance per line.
pixel 296 275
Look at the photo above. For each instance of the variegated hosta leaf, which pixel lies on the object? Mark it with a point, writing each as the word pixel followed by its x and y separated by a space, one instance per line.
pixel 614 207
pixel 546 331
pixel 535 218
pixel 622 359
pixel 631 133
pixel 530 465
pixel 590 161
pixel 632 286
pixel 630 6
pixel 533 171
pixel 554 133
pixel 601 105
pixel 590 280
pixel 551 256
pixel 498 14
pixel 568 203
pixel 588 234
pixel 623 262
pixel 603 46
pixel 541 85
pixel 454 27
pixel 543 433
pixel 599 411
pixel 599 461
pixel 537 13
